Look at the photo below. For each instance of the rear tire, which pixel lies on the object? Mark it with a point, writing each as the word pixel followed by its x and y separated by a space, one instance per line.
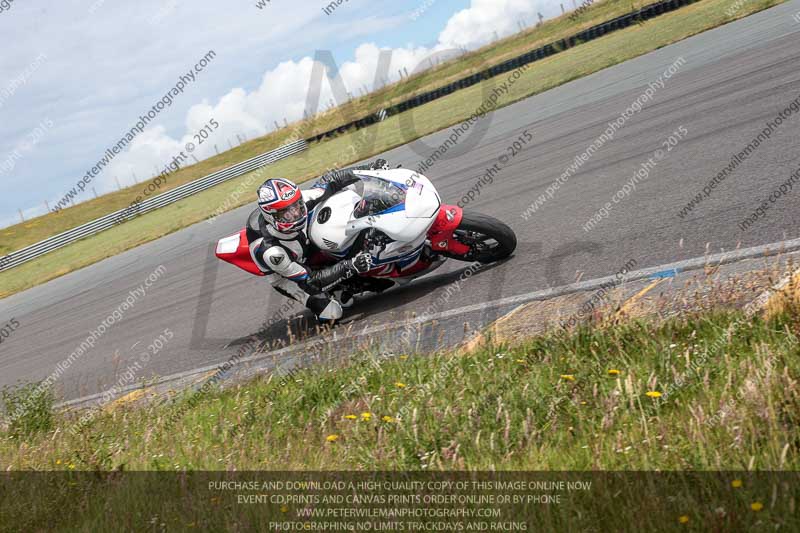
pixel 490 239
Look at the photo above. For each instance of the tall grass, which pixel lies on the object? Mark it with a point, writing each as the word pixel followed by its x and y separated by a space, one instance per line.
pixel 591 399
pixel 29 410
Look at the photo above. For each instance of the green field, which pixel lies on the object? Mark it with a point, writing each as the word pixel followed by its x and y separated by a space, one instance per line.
pixel 707 391
pixel 541 76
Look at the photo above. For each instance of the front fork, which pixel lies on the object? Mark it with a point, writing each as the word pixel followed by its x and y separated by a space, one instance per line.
pixel 441 233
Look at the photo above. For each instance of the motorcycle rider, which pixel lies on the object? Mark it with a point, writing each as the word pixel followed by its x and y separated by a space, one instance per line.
pixel 282 250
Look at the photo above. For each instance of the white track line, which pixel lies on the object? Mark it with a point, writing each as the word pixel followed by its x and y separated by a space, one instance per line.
pixel 680 266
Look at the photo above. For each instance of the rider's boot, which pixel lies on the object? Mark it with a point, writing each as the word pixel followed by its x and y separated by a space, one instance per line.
pixel 344 297
pixel 326 309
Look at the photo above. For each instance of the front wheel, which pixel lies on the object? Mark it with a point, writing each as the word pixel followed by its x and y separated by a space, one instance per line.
pixel 489 239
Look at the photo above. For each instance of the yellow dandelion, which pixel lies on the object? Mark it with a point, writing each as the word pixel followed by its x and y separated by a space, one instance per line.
pixel 736 483
pixel 400 385
pixel 403 357
pixel 366 416
pixel 568 377
pixel 284 509
pixel 653 394
pixel 683 519
pixel 613 372
pixel 756 506
pixel 520 360
pixel 58 461
pixel 388 419
pixel 583 403
pixel 71 466
pixel 332 438
pixel 350 417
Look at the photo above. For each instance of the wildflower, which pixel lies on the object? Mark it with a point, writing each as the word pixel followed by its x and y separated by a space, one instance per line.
pixel 403 357
pixel 58 461
pixel 366 416
pixel 400 385
pixel 653 394
pixel 683 519
pixel 568 377
pixel 520 360
pixel 756 506
pixel 388 419
pixel 613 372
pixel 72 466
pixel 332 438
pixel 736 483
pixel 284 509
pixel 350 417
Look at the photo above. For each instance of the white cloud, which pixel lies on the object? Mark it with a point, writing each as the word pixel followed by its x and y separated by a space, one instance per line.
pixel 477 24
pixel 107 67
pixel 283 90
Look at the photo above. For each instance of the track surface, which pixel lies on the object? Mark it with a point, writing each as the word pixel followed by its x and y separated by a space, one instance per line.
pixel 735 79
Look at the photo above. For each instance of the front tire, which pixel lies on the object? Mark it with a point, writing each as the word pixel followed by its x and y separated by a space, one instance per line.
pixel 489 239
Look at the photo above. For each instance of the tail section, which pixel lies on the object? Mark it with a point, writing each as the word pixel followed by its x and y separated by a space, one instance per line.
pixel 235 250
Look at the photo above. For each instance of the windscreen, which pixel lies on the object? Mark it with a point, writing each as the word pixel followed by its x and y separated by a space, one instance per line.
pixel 377 196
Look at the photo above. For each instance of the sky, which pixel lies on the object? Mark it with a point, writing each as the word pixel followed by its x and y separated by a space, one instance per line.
pixel 77 75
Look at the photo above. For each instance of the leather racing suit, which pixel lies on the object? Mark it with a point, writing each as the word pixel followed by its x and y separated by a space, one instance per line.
pixel 287 259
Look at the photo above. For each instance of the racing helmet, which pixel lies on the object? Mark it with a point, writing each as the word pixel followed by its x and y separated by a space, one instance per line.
pixel 281 203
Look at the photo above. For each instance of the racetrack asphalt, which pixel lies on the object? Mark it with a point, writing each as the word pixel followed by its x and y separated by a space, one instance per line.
pixel 735 78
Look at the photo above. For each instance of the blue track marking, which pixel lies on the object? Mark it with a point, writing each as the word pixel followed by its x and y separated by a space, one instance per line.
pixel 671 273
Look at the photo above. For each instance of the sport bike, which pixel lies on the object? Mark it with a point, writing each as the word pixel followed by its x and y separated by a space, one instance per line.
pixel 398 217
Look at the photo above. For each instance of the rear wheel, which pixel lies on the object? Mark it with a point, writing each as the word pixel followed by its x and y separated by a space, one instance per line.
pixel 489 239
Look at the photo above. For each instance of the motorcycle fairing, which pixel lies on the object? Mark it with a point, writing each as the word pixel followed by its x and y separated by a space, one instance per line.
pixel 235 249
pixel 405 219
pixel 420 217
pixel 441 232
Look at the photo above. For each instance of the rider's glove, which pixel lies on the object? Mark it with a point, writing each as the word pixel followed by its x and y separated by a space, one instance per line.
pixel 380 164
pixel 339 179
pixel 361 263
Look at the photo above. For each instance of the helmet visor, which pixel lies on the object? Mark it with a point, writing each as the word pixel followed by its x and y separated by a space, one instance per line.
pixel 292 214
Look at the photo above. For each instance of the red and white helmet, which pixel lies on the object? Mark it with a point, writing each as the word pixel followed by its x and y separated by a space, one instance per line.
pixel 282 205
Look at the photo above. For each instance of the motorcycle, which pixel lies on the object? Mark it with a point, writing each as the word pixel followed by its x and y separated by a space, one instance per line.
pixel 398 217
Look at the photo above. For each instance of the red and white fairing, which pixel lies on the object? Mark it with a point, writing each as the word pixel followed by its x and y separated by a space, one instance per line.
pixel 236 250
pixel 401 203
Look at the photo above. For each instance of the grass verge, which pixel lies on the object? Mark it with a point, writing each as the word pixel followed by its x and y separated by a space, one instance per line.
pixel 710 391
pixel 685 394
pixel 398 130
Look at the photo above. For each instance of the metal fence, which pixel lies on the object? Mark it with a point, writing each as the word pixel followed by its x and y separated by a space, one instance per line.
pixel 178 193
pixel 634 17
